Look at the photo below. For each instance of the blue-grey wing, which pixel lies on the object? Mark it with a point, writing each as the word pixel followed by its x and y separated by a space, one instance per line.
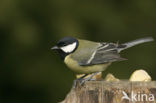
pixel 106 52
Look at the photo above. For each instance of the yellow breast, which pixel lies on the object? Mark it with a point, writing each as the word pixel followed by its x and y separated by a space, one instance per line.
pixel 74 66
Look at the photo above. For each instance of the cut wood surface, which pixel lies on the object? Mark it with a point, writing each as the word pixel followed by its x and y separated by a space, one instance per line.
pixel 113 92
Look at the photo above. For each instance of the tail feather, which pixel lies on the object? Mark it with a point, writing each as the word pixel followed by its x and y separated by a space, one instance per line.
pixel 134 42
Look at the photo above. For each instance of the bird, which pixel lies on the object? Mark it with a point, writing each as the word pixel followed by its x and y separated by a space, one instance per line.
pixel 90 57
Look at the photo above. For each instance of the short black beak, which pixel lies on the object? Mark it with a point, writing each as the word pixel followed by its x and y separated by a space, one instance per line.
pixel 55 47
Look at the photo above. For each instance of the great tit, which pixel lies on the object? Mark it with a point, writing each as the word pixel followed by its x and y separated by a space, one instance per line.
pixel 85 57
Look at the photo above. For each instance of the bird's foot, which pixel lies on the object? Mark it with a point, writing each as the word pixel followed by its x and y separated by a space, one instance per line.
pixel 81 81
pixel 87 79
pixel 77 81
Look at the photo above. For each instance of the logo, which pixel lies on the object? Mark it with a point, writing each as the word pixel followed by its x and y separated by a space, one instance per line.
pixel 138 96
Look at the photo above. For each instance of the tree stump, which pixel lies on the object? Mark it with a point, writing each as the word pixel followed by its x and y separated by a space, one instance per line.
pixel 113 92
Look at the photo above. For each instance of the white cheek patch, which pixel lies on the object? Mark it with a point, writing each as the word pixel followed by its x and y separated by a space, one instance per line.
pixel 69 48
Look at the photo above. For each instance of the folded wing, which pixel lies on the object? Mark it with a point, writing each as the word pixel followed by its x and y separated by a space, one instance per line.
pixel 106 52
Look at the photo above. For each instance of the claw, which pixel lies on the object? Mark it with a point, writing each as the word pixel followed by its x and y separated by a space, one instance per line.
pixel 78 80
pixel 75 83
pixel 86 79
pixel 81 81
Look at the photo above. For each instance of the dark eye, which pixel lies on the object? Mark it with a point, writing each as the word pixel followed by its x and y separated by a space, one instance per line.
pixel 62 44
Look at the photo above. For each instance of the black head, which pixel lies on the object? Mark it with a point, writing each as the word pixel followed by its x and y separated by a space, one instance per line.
pixel 66 46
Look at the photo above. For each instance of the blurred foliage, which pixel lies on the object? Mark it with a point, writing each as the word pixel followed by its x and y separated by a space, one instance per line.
pixel 31 73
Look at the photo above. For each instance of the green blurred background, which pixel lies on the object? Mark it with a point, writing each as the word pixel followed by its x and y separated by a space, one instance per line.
pixel 31 73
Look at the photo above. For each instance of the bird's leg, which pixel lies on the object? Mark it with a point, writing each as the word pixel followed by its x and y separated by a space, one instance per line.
pixel 79 79
pixel 87 79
